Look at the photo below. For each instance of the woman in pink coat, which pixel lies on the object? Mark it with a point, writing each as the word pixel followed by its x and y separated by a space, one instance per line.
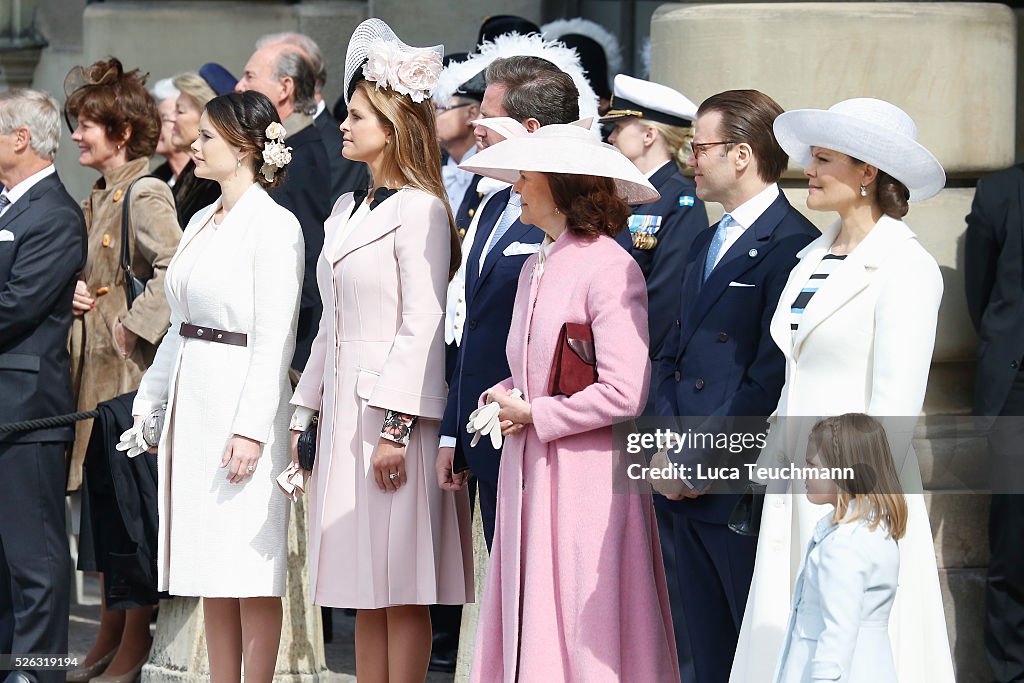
pixel 383 538
pixel 576 587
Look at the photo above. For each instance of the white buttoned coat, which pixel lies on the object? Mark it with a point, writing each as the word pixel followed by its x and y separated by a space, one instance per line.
pixel 219 539
pixel 864 344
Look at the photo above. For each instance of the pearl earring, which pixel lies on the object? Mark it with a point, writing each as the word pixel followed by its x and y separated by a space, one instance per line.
pixel 863 191
pixel 238 164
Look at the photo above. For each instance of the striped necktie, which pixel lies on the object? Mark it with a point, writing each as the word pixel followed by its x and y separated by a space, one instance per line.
pixel 5 201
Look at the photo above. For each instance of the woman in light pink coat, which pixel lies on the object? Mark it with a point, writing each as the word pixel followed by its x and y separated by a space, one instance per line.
pixel 383 538
pixel 576 587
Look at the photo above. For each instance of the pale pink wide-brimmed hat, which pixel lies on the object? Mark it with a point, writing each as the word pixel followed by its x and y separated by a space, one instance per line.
pixel 562 148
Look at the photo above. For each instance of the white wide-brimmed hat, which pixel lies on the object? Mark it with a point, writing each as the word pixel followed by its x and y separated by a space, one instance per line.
pixel 562 148
pixel 870 130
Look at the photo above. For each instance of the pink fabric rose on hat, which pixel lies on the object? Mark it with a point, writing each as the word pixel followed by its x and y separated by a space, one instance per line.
pixel 417 74
pixel 380 64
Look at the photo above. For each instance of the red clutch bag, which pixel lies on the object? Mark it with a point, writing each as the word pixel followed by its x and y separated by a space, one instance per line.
pixel 574 366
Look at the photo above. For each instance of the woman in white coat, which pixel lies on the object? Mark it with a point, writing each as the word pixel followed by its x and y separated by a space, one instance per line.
pixel 233 287
pixel 856 323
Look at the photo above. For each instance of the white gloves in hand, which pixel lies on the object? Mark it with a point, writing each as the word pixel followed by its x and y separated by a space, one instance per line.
pixel 133 442
pixel 484 421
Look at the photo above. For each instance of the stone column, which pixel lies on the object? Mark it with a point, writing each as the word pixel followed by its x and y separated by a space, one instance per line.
pixel 952 67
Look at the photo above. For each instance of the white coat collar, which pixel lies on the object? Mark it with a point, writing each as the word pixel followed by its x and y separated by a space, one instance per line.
pixel 852 276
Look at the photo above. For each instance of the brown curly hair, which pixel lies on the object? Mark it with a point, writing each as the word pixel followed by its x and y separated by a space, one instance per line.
pixel 591 204
pixel 118 101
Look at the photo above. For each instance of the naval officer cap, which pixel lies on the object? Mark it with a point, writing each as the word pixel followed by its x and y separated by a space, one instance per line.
pixel 637 98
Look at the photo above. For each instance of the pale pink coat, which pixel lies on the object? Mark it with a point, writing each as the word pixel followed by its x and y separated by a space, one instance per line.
pixel 381 346
pixel 576 586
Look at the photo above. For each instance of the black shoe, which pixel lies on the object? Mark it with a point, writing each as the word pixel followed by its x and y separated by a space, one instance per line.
pixel 444 662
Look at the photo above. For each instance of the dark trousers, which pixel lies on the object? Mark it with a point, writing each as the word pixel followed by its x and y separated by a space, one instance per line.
pixel 1004 589
pixel 713 570
pixel 35 562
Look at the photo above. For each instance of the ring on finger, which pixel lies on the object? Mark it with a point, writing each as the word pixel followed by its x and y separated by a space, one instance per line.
pixel 250 468
pixel 393 475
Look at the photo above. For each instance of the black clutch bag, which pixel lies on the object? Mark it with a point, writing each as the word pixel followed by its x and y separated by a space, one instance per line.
pixel 745 518
pixel 307 446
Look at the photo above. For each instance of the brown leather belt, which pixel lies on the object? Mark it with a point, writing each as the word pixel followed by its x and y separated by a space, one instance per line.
pixel 212 334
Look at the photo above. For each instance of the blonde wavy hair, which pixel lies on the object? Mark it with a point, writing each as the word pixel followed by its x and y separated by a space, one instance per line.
pixel 677 138
pixel 414 157
pixel 859 442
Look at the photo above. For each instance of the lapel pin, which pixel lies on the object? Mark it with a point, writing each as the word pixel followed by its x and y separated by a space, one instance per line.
pixel 752 253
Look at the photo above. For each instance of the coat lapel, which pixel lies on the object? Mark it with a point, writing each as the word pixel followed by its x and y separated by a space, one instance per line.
pixel 809 257
pixel 751 247
pixel 851 277
pixel 379 222
pixel 515 232
pixel 36 191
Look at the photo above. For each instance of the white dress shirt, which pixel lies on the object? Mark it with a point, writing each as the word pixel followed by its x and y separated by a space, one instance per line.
pixel 456 181
pixel 21 189
pixel 746 214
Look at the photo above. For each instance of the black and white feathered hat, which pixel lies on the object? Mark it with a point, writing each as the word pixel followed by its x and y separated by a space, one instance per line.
pixel 516 45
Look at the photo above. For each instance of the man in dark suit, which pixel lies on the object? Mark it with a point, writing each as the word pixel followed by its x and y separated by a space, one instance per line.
pixel 282 73
pixel 346 175
pixel 994 279
pixel 719 362
pixel 42 251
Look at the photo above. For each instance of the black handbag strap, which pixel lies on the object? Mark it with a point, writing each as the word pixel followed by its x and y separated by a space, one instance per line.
pixel 126 258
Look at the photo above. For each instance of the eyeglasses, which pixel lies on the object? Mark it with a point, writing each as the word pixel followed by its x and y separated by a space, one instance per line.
pixel 442 108
pixel 696 147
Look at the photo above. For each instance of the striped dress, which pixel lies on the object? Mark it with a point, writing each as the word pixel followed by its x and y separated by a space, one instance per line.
pixel 827 266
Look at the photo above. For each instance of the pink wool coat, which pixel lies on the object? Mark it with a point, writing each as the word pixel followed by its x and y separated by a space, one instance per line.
pixel 576 586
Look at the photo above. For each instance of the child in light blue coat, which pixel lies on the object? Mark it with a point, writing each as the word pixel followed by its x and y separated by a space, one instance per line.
pixel 838 627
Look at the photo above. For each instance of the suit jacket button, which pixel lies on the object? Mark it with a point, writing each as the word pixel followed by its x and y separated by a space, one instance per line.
pixel 1013 364
pixel 472 324
pixel 699 384
pixel 679 375
pixel 722 336
pixel 679 323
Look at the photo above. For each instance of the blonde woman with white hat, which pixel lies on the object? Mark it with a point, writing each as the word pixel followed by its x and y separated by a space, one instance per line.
pixel 576 587
pixel 856 322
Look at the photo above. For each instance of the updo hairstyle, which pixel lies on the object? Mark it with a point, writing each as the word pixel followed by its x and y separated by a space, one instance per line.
pixel 118 101
pixel 591 204
pixel 242 118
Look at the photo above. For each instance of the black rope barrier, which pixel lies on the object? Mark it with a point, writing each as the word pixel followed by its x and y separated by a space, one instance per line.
pixel 48 422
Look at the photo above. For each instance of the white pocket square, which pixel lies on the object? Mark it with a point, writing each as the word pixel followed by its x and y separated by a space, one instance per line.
pixel 740 284
pixel 520 248
pixel 6 236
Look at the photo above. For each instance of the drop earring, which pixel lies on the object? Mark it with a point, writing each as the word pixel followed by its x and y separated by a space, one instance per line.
pixel 863 191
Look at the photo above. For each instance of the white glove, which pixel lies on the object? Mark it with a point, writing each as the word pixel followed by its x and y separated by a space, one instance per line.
pixel 484 420
pixel 132 441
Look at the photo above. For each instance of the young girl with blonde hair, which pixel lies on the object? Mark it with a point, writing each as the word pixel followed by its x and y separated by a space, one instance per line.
pixel 839 624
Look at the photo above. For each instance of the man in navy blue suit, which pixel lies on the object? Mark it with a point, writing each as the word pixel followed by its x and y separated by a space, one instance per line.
pixel 536 93
pixel 43 248
pixel 719 362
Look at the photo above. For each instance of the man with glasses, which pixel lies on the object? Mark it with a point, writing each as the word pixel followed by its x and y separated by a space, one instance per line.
pixel 719 360
pixel 454 115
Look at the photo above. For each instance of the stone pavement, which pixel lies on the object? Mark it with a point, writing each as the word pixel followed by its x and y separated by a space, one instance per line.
pixel 340 652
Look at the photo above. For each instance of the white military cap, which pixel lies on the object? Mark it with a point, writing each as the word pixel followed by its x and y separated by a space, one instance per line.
pixel 651 101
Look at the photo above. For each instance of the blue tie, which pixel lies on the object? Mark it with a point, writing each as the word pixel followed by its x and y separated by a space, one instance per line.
pixel 717 242
pixel 508 217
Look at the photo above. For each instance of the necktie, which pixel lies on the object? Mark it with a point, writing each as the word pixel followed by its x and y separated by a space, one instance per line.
pixel 5 201
pixel 508 217
pixel 717 242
